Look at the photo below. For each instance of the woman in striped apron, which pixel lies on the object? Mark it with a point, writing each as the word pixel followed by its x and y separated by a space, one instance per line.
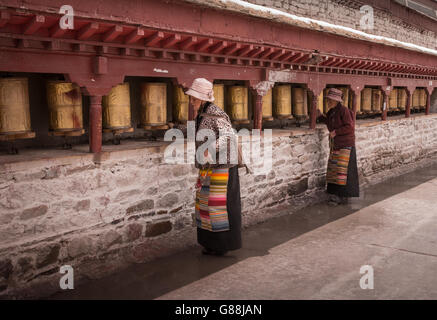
pixel 218 204
pixel 342 171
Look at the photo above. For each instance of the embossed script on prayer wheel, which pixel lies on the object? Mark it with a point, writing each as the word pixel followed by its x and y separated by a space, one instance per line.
pixel 153 104
pixel 282 101
pixel 65 106
pixel 300 107
pixel 14 106
pixel 393 100
pixel 402 99
pixel 267 106
pixel 116 108
pixel 366 100
pixel 180 105
pixel 415 100
pixel 377 100
pixel 219 95
pixel 238 104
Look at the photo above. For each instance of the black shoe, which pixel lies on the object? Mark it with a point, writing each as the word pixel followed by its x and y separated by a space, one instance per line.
pixel 207 251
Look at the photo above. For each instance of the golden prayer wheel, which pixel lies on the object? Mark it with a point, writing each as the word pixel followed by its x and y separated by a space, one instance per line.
pixel 282 101
pixel 116 108
pixel 219 95
pixel 345 97
pixel 393 100
pixel 14 106
pixel 238 104
pixel 358 104
pixel 415 100
pixel 366 100
pixel 180 105
pixel 65 106
pixel 320 102
pixel 402 99
pixel 422 98
pixel 300 103
pixel 377 100
pixel 153 104
pixel 267 106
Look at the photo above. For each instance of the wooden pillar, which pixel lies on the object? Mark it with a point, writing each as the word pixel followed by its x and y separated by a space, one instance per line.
pixel 385 95
pixel 95 130
pixel 313 113
pixel 428 100
pixel 408 106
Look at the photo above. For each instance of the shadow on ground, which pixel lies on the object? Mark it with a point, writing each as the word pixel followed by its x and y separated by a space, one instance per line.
pixel 153 279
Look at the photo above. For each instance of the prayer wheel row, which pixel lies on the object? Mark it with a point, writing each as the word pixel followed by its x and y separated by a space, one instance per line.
pixel 419 98
pixel 397 100
pixel 372 101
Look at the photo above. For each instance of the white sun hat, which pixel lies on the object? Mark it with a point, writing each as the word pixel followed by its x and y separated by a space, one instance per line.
pixel 201 89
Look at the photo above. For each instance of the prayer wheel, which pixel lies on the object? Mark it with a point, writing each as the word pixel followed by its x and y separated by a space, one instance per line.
pixel 358 103
pixel 282 101
pixel 238 104
pixel 325 100
pixel 393 100
pixel 366 100
pixel 320 104
pixel 14 106
pixel 415 105
pixel 377 101
pixel 402 99
pixel 422 98
pixel 116 108
pixel 300 103
pixel 267 106
pixel 180 105
pixel 65 106
pixel 153 104
pixel 219 95
pixel 345 97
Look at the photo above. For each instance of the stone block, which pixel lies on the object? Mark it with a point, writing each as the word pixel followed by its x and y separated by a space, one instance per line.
pixel 47 255
pixel 5 268
pixel 111 238
pixel 82 205
pixel 298 187
pixel 33 212
pixel 80 246
pixel 158 228
pixel 133 231
pixel 168 200
pixel 141 206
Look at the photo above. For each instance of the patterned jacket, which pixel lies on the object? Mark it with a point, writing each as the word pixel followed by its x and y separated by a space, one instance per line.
pixel 212 117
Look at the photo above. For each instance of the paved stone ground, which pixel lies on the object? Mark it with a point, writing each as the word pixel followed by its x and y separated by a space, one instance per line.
pixel 315 253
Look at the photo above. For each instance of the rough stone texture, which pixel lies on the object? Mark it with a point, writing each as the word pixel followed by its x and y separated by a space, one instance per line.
pixel 118 222
pixel 347 13
pixel 33 212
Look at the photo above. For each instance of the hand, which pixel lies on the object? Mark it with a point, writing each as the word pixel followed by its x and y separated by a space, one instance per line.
pixel 205 153
pixel 332 134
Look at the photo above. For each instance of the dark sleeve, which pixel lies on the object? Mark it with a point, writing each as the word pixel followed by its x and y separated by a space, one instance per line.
pixel 347 126
pixel 322 118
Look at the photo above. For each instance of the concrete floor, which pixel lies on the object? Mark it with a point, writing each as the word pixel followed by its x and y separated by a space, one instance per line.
pixel 315 253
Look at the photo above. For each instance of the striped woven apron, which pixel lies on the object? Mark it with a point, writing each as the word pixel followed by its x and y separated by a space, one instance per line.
pixel 211 211
pixel 338 164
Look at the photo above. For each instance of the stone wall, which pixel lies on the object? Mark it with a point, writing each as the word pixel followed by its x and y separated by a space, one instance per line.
pixel 347 13
pixel 100 214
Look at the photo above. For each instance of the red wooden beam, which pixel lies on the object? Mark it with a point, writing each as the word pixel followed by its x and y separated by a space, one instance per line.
pixel 4 18
pixel 154 39
pixel 218 47
pixel 255 52
pixel 34 24
pixel 344 63
pixel 112 33
pixel 88 31
pixel 245 50
pixel 286 56
pixel 56 31
pixel 204 45
pixel 295 57
pixel 171 41
pixel 265 53
pixel 277 54
pixel 134 36
pixel 187 43
pixel 232 49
